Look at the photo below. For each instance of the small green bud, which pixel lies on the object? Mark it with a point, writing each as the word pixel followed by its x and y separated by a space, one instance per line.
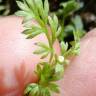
pixel 61 59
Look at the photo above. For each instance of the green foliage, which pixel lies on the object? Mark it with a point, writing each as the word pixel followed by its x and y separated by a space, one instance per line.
pixel 51 71
pixel 78 25
pixel 66 11
pixel 46 75
pixel 44 50
pixel 55 28
pixel 69 7
pixel 34 10
pixel 33 31
pixel 75 49
pixel 4 9
pixel 64 47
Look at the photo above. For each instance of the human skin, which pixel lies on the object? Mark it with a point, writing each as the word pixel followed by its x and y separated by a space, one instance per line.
pixel 80 75
pixel 17 63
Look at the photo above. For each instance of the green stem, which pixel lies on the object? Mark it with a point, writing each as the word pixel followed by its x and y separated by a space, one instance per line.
pixel 51 46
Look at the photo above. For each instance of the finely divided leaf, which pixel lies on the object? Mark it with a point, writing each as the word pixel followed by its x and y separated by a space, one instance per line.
pixel 69 6
pixel 32 5
pixel 53 28
pixel 76 36
pixel 21 13
pixel 29 88
pixel 64 47
pixel 34 31
pixel 59 30
pixel 42 45
pixel 59 71
pixel 59 68
pixel 22 6
pixel 35 91
pixel 45 49
pixel 46 8
pixel 55 19
pixel 39 51
pixel 44 55
pixel 54 87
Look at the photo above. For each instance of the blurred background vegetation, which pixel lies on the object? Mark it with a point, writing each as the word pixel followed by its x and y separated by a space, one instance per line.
pixel 73 14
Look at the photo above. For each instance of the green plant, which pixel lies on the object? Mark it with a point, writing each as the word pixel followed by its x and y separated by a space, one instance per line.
pixel 4 8
pixel 52 70
pixel 67 12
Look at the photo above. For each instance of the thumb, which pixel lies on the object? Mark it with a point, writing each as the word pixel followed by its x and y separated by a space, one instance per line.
pixel 80 75
pixel 17 61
